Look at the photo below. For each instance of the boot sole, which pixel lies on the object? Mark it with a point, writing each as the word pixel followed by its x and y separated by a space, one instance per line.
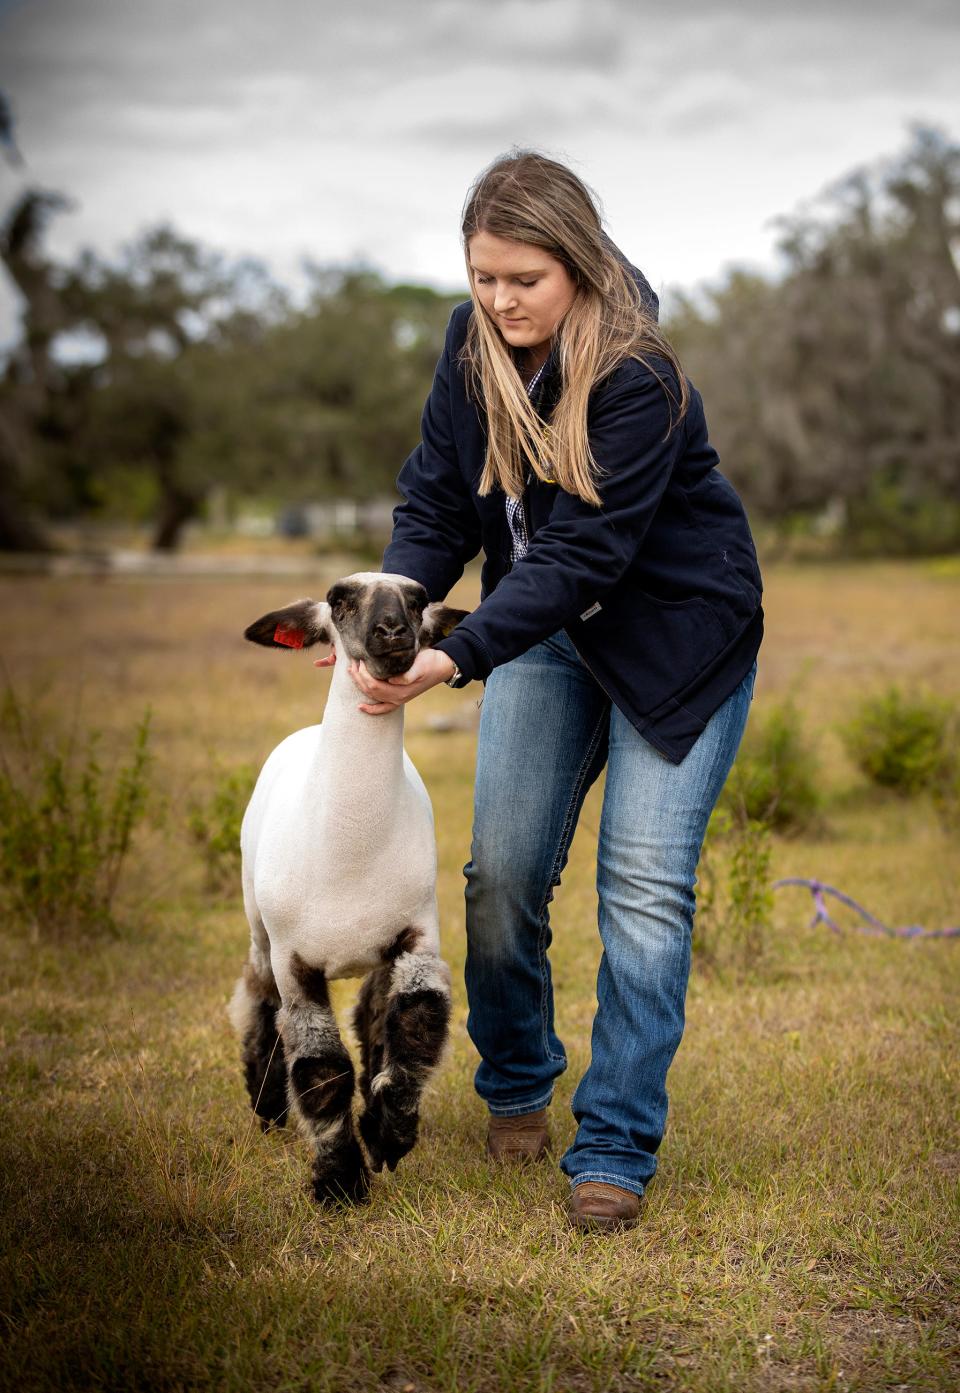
pixel 601 1221
pixel 516 1157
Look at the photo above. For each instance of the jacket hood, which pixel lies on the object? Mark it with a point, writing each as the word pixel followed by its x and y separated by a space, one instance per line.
pixel 648 294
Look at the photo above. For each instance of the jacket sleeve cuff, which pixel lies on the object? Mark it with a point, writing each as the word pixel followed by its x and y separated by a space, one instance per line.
pixel 470 656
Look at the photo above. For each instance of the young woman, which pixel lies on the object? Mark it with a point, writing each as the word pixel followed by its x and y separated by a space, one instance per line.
pixel 618 626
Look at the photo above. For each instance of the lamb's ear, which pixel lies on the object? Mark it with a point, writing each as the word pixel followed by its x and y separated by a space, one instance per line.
pixel 299 625
pixel 438 621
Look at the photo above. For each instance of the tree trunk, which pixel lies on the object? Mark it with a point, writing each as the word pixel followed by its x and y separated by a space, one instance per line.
pixel 177 508
pixel 19 530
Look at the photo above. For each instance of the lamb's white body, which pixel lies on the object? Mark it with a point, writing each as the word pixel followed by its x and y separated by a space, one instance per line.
pixel 339 854
pixel 339 880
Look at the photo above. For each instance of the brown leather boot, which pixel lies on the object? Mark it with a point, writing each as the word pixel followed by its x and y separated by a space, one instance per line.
pixel 522 1138
pixel 596 1205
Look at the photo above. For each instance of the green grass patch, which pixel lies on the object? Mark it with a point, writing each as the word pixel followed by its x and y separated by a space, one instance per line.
pixel 66 824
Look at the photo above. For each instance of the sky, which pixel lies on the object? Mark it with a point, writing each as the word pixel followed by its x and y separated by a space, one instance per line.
pixel 351 131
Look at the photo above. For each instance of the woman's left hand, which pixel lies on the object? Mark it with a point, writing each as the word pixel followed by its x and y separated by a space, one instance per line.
pixel 429 669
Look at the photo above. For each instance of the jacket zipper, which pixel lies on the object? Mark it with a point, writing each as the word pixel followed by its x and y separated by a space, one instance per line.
pixel 607 694
pixel 528 524
pixel 589 668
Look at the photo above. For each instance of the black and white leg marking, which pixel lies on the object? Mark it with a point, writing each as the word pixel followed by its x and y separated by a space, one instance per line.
pixel 253 1011
pixel 402 1018
pixel 369 1024
pixel 320 1087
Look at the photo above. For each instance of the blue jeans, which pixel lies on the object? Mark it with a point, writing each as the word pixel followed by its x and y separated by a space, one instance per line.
pixel 546 731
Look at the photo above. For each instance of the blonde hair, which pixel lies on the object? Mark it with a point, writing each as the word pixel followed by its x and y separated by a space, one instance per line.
pixel 527 197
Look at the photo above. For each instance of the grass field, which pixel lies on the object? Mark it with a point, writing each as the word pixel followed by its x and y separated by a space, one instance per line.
pixel 802 1231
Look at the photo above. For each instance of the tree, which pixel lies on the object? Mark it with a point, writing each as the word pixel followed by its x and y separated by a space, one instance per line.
pixel 181 329
pixel 351 373
pixel 30 378
pixel 874 292
pixel 838 383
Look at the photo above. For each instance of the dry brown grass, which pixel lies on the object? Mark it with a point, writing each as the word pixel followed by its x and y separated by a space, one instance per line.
pixel 802 1232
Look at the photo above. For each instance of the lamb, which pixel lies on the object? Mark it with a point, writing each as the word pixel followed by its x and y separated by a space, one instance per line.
pixel 339 880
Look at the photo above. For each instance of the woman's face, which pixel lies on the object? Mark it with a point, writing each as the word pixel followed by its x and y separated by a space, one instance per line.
pixel 525 290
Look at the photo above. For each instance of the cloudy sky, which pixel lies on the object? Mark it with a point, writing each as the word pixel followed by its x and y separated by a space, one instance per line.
pixel 352 130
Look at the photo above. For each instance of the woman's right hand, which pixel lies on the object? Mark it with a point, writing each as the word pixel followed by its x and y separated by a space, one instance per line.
pixel 429 668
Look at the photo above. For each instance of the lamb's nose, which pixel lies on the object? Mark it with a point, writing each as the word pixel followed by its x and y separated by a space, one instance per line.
pixel 390 626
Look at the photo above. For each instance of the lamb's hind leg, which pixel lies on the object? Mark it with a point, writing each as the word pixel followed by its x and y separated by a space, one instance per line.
pixel 402 1018
pixel 320 1084
pixel 253 1011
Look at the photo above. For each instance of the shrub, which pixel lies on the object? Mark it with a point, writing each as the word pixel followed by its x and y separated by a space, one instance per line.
pixel 896 521
pixel 751 896
pixel 900 742
pixel 773 781
pixel 734 915
pixel 706 930
pixel 215 827
pixel 946 791
pixel 65 825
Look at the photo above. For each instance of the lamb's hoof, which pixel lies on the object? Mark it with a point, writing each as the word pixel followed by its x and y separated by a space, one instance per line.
pixel 346 1182
pixel 394 1151
pixel 386 1145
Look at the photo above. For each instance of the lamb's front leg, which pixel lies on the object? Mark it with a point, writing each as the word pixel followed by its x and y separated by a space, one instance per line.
pixel 402 1018
pixel 320 1085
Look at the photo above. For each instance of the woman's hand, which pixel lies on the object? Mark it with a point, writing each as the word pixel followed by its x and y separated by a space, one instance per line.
pixel 429 669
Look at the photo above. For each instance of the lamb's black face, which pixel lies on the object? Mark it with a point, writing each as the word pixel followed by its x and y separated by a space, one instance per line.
pixel 379 621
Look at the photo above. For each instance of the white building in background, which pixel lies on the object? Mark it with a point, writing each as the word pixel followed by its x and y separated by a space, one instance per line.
pixel 342 519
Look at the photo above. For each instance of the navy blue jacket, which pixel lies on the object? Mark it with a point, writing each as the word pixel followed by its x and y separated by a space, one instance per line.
pixel 659 588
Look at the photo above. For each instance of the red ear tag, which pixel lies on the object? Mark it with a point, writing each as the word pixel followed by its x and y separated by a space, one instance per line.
pixel 290 638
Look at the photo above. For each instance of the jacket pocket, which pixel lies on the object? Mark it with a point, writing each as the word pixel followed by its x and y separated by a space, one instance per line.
pixel 660 601
pixel 652 648
pixel 680 635
pixel 729 608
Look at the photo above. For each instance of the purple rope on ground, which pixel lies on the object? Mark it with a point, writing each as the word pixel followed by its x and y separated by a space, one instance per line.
pixel 874 926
